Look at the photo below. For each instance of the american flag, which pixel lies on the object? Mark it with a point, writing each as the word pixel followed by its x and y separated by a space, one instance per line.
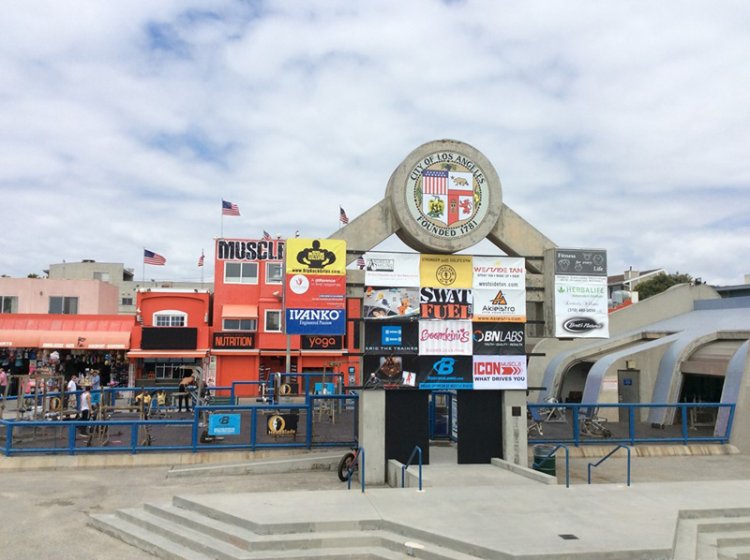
pixel 434 182
pixel 229 208
pixel 343 218
pixel 266 236
pixel 149 257
pixel 361 262
pixel 201 259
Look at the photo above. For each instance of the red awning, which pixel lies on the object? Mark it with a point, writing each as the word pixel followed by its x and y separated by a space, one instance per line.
pixel 88 332
pixel 240 311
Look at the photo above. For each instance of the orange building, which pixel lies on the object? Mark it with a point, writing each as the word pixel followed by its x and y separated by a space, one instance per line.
pixel 248 339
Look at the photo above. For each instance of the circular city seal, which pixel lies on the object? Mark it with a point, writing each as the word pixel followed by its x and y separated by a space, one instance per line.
pixel 445 196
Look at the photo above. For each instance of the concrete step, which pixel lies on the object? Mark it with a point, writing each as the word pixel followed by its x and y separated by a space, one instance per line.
pixel 734 553
pixel 173 532
pixel 134 535
pixel 179 534
pixel 697 532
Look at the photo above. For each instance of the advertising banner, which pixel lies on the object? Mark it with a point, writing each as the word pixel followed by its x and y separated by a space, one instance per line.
pixel 392 369
pixel 233 340
pixel 499 273
pixel 391 337
pixel 581 307
pixel 499 339
pixel 314 291
pixel 445 271
pixel 315 256
pixel 444 372
pixel 508 305
pixel 444 303
pixel 499 372
pixel 320 342
pixel 445 338
pixel 391 303
pixel 391 269
pixel 315 321
pixel 223 424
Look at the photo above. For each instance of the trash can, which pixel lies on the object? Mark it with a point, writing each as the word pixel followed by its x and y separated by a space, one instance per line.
pixel 542 462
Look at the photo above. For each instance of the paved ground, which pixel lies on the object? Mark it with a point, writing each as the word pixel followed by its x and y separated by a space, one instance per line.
pixel 45 511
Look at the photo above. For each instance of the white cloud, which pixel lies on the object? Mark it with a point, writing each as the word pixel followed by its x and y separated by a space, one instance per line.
pixel 622 126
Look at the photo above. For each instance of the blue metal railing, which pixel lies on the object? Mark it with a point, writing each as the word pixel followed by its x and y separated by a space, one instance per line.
pixel 358 462
pixel 132 444
pixel 550 454
pixel 418 451
pixel 627 432
pixel 607 456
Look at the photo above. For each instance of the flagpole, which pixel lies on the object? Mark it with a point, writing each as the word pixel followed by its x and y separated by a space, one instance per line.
pixel 143 259
pixel 222 219
pixel 203 265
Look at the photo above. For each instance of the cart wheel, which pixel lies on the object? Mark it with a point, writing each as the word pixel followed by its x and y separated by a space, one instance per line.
pixel 606 433
pixel 344 465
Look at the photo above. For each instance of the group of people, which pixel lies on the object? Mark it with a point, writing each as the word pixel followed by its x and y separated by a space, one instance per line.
pixel 88 398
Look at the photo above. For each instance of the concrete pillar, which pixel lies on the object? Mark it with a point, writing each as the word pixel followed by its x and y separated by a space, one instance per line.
pixel 515 438
pixel 372 434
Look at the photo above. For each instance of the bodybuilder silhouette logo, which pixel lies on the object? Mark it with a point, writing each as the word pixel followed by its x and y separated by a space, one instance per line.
pixel 315 257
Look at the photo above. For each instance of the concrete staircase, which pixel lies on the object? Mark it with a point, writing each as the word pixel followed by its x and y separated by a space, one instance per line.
pixel 713 535
pixel 189 530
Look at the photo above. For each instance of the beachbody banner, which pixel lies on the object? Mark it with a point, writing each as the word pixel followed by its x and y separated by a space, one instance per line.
pixel 499 372
pixel 391 269
pixel 499 273
pixel 445 338
pixel 581 293
pixel 502 304
pixel 445 372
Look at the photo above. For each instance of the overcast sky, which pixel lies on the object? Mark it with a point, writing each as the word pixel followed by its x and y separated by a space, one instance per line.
pixel 615 125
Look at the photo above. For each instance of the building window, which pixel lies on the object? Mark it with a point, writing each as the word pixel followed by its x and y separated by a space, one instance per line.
pixel 8 304
pixel 166 368
pixel 126 301
pixel 273 320
pixel 241 273
pixel 240 325
pixel 62 305
pixel 274 273
pixel 170 319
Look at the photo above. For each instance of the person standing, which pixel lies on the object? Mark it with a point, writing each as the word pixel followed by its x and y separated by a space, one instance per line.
pixel 96 387
pixel 183 393
pixel 70 392
pixel 85 409
pixel 3 384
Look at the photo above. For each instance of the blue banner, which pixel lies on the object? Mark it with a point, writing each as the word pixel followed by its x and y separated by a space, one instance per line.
pixel 315 321
pixel 223 424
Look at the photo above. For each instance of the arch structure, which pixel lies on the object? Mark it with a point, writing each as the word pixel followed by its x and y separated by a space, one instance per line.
pixel 445 197
pixel 662 350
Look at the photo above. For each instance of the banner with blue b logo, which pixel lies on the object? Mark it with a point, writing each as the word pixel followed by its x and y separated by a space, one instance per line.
pixel 224 424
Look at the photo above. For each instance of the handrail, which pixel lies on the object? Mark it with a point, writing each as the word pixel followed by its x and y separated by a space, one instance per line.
pixel 627 433
pixel 607 456
pixel 360 453
pixel 417 450
pixel 567 461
